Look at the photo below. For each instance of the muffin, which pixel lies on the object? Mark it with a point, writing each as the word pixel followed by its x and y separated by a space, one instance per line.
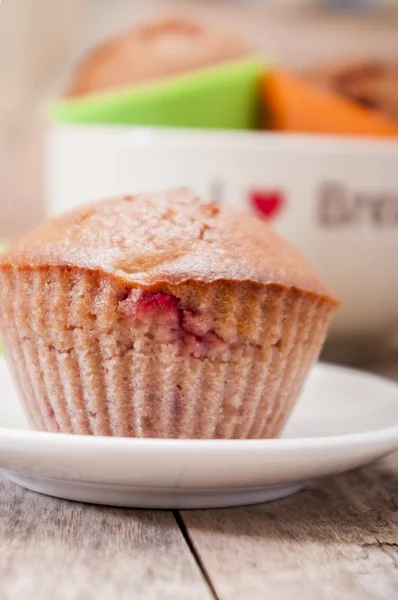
pixel 160 316
pixel 372 84
pixel 154 51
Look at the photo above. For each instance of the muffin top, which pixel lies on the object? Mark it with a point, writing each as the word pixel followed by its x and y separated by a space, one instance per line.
pixel 159 49
pixel 169 238
pixel 373 84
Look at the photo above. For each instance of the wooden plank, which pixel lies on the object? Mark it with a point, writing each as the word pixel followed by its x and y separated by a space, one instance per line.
pixel 56 550
pixel 337 540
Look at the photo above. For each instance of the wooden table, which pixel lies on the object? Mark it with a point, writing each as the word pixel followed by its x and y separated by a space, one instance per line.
pixel 336 540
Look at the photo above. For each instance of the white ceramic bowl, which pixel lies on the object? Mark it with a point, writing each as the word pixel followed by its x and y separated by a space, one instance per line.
pixel 335 198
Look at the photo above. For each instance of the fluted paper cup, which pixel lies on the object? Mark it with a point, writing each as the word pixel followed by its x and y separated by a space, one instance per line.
pixel 86 363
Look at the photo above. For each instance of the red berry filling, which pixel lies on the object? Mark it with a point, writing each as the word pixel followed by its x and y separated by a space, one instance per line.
pixel 160 315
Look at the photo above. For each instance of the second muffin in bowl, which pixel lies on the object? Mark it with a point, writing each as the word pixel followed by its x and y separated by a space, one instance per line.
pixel 160 316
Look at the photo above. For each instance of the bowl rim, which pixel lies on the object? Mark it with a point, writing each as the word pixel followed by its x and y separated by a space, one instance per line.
pixel 138 135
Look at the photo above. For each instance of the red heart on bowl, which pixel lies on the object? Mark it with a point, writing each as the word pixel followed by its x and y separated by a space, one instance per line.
pixel 268 203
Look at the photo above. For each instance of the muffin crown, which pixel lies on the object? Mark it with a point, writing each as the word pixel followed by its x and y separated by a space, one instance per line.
pixel 159 49
pixel 166 239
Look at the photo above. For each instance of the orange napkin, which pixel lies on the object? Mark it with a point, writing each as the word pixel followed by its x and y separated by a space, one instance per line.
pixel 297 106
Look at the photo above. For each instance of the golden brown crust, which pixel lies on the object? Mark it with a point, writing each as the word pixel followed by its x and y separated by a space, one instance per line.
pixel 164 240
pixel 159 49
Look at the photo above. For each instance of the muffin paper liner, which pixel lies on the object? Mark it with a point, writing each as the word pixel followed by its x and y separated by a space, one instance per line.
pixel 78 370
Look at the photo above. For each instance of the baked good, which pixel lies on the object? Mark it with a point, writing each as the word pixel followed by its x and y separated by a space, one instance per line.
pixel 160 316
pixel 153 51
pixel 373 84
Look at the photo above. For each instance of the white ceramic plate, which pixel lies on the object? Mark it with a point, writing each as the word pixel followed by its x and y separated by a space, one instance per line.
pixel 343 420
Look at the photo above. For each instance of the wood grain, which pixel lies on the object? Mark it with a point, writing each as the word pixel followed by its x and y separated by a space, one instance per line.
pixel 337 540
pixel 56 550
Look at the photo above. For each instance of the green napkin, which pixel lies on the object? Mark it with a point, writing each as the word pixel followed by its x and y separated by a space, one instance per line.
pixel 222 97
